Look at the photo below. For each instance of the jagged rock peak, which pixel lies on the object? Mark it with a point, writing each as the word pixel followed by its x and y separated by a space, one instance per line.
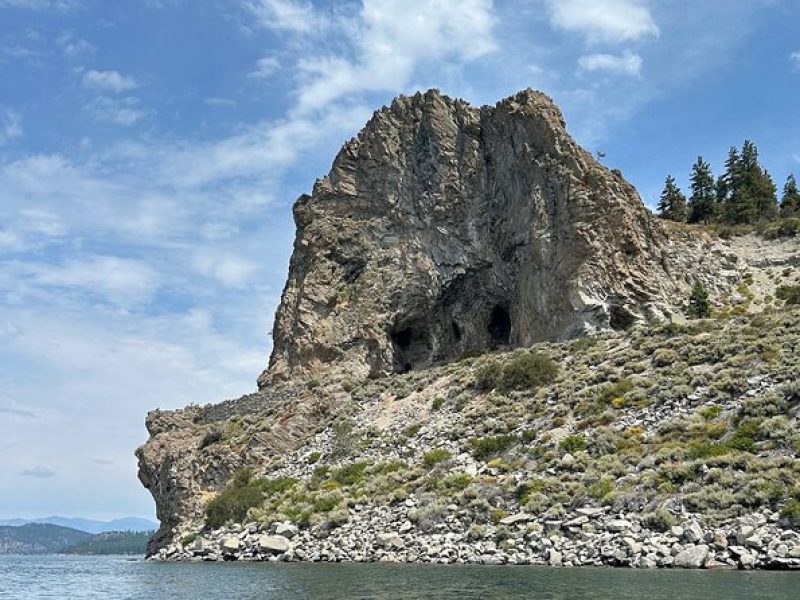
pixel 443 228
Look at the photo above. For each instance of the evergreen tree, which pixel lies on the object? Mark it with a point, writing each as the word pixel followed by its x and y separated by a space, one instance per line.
pixel 790 201
pixel 749 189
pixel 699 306
pixel 704 193
pixel 672 204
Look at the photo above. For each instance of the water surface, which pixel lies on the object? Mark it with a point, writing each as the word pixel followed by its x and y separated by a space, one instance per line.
pixel 116 577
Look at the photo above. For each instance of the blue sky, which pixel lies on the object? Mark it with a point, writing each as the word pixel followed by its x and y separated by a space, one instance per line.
pixel 150 151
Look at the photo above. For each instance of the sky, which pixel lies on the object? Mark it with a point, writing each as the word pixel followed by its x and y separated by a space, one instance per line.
pixel 150 152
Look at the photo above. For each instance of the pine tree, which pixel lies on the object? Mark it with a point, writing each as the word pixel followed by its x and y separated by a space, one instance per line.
pixel 672 204
pixel 704 193
pixel 699 306
pixel 790 201
pixel 750 191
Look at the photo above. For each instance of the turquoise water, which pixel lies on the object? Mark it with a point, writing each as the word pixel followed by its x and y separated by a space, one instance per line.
pixel 26 577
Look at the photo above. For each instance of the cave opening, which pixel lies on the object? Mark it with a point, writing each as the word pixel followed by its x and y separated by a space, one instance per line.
pixel 499 326
pixel 456 331
pixel 620 318
pixel 411 347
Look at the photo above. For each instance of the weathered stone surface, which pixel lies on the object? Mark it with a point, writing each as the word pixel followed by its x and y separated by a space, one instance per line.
pixel 443 228
pixel 229 544
pixel 273 543
pixel 692 558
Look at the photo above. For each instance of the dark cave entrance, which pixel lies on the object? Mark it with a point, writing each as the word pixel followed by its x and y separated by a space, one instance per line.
pixel 411 346
pixel 499 326
pixel 620 318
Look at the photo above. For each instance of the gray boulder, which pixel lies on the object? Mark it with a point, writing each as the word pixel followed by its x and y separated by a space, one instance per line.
pixel 692 558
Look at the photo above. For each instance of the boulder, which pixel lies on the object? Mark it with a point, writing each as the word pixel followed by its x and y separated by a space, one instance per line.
pixel 517 518
pixel 693 533
pixel 273 543
pixel 229 544
pixel 692 558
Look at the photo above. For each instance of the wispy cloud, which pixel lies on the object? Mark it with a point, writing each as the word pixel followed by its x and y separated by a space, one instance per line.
pixel 265 67
pixel 108 81
pixel 387 41
pixel 10 125
pixel 40 472
pixel 74 47
pixel 795 58
pixel 627 63
pixel 119 111
pixel 603 20
pixel 286 15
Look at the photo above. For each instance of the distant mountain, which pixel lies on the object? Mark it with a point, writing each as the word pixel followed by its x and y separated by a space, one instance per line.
pixel 89 525
pixel 39 538
pixel 115 542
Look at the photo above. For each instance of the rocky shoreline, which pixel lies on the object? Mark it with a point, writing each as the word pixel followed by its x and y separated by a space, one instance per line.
pixel 589 536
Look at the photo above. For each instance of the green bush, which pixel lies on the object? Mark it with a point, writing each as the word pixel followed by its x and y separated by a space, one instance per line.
pixel 314 457
pixel 437 403
pixel 483 448
pixel 435 456
pixel 488 375
pixel 792 512
pixel 660 520
pixel 240 495
pixel 789 293
pixel 528 372
pixel 573 443
pixel 350 474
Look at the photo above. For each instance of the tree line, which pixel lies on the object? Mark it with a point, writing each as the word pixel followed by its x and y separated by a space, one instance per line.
pixel 744 194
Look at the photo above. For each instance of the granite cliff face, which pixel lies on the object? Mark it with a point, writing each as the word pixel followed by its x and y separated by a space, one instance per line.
pixel 444 229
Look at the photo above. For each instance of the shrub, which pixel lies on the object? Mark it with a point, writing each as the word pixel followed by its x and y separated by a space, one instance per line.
pixel 435 456
pixel 789 293
pixel 528 371
pixel 350 474
pixel 456 482
pixel 343 439
pixel 660 520
pixel 326 503
pixel 437 403
pixel 573 443
pixel 240 495
pixel 314 457
pixel 613 393
pixel 791 511
pixel 699 307
pixel 412 430
pixel 488 375
pixel 483 448
pixel 664 357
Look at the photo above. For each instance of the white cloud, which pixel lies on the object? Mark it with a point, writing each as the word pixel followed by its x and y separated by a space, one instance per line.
pixel 120 280
pixel 119 111
pixel 229 270
pixel 224 102
pixel 795 58
pixel 627 63
pixel 10 126
pixel 74 47
pixel 389 41
pixel 286 15
pixel 108 81
pixel 265 67
pixel 603 20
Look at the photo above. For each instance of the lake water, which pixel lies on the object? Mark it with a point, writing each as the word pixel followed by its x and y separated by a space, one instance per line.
pixel 27 577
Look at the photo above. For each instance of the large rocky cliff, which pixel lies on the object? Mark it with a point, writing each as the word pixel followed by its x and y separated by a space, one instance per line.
pixel 444 228
pixel 442 231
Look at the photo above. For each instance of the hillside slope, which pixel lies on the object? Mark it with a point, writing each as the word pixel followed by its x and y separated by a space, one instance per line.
pixel 646 444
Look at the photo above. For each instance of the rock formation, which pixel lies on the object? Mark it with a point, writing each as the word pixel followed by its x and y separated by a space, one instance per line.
pixel 441 230
pixel 444 229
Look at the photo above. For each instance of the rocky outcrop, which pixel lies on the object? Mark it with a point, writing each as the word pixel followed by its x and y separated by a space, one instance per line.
pixel 445 228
